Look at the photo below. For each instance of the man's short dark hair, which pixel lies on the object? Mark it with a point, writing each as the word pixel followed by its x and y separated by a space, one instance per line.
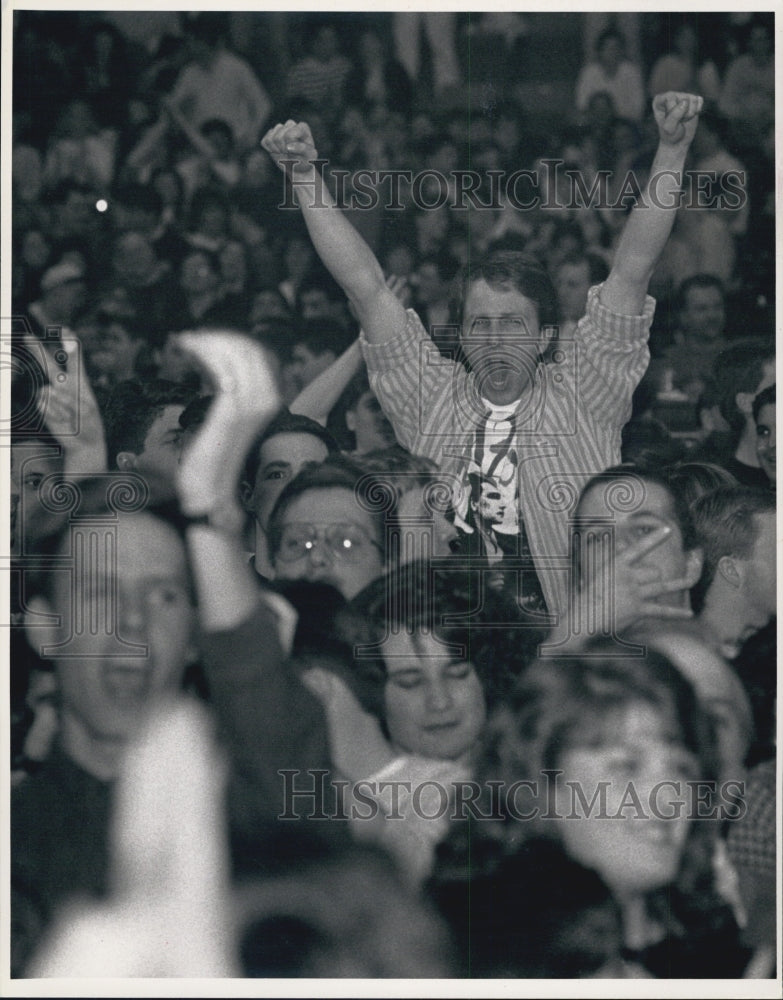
pixel 693 480
pixel 285 423
pixel 133 407
pixel 725 526
pixel 765 398
pixel 508 270
pixel 740 368
pixel 321 335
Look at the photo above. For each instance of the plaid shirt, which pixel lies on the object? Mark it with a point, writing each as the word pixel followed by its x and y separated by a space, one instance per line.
pixel 567 427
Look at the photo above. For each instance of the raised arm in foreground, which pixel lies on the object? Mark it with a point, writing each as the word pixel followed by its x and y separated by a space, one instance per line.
pixel 343 251
pixel 650 223
pixel 266 716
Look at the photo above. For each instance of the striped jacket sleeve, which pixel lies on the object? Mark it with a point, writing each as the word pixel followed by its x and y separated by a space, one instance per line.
pixel 415 386
pixel 612 357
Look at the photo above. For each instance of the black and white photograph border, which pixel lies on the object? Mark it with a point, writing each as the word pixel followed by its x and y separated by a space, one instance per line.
pixel 602 563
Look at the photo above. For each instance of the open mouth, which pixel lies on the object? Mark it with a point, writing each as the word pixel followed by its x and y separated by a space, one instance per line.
pixel 500 372
pixel 499 377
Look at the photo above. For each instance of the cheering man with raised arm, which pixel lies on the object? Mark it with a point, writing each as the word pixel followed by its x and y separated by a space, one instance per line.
pixel 535 415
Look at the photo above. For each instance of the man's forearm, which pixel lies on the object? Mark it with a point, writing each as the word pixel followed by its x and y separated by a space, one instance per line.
pixel 319 396
pixel 650 223
pixel 343 251
pixel 646 234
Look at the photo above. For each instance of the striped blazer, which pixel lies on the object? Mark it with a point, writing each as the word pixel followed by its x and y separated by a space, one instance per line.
pixel 568 424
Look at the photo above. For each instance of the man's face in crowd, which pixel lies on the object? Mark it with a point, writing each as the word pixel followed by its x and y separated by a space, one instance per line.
pixel 572 285
pixel 305 365
pixel 281 458
pixel 650 509
pixel 31 463
pixel 368 422
pixel 491 508
pixel 143 601
pixel 115 351
pixel 704 313
pixel 159 460
pixel 765 440
pixel 501 341
pixel 355 559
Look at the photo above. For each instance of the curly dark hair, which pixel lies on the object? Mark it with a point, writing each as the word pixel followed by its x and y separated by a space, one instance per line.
pixel 478 624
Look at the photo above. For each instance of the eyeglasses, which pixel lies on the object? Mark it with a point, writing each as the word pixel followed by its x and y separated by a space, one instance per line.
pixel 347 542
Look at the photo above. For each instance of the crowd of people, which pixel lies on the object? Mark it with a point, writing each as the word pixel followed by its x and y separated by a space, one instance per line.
pixel 393 545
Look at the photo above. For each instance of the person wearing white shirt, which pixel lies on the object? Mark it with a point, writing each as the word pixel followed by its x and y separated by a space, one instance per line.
pixel 614 75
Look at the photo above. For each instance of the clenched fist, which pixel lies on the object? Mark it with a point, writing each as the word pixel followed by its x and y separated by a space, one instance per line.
pixel 292 141
pixel 677 116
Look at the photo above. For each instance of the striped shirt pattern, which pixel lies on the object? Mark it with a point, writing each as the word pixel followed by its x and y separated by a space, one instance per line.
pixel 568 425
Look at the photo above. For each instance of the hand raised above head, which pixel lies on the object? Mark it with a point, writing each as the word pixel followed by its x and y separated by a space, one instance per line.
pixel 246 398
pixel 291 141
pixel 677 117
